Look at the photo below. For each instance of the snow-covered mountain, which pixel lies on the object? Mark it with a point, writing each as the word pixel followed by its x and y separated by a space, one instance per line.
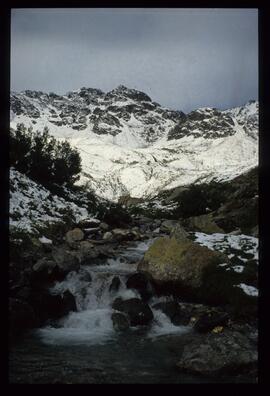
pixel 130 145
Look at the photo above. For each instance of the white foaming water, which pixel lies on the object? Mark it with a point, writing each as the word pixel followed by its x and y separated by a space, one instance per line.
pixel 91 289
pixel 162 325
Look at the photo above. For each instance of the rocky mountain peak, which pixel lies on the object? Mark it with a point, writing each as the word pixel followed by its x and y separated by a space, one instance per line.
pixel 123 92
pixel 131 145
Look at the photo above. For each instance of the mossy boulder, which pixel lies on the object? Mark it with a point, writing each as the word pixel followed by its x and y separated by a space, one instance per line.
pixel 184 261
pixel 195 273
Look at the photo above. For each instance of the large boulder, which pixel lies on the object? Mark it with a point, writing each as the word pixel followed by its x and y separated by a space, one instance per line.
pixel 48 306
pixel 183 261
pixel 204 223
pixel 187 270
pixel 138 312
pixel 212 354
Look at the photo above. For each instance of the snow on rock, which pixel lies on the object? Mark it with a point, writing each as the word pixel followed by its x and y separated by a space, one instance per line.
pixel 249 290
pixel 45 240
pixel 122 137
pixel 242 246
pixel 32 206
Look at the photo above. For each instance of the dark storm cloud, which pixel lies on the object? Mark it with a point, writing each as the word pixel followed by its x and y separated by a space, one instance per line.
pixel 182 58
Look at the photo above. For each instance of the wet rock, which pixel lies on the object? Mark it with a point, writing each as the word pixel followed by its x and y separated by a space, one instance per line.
pixel 24 293
pixel 173 310
pixel 84 275
pixel 120 321
pixel 142 284
pixel 213 354
pixel 115 284
pixel 74 235
pixel 48 306
pixel 45 270
pixel 21 316
pixel 208 321
pixel 66 260
pixel 86 252
pixel 139 313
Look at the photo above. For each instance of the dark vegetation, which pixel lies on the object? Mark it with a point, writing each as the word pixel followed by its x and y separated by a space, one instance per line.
pixel 43 158
pixel 201 198
pixel 114 214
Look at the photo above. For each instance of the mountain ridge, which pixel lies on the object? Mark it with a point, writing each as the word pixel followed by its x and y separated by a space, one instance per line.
pixel 132 146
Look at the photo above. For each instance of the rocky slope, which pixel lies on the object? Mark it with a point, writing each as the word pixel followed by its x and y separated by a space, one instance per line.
pixel 34 208
pixel 132 146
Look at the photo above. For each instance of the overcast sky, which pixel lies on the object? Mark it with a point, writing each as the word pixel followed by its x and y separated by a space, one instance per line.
pixel 182 58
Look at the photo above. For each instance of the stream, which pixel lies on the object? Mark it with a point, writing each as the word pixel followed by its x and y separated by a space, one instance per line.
pixel 83 347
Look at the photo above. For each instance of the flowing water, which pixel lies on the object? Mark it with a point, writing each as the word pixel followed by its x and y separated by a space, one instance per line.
pixel 83 347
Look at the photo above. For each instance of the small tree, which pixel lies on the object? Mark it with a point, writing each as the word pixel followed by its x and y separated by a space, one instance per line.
pixel 43 158
pixel 191 202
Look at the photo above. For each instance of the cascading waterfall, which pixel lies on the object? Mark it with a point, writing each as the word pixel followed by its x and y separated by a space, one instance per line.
pixel 94 297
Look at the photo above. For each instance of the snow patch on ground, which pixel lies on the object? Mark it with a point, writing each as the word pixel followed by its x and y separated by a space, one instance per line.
pixel 225 242
pixel 32 205
pixel 249 290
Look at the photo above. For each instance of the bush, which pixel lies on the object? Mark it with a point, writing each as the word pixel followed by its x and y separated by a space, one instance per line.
pixel 115 215
pixel 191 202
pixel 199 199
pixel 43 158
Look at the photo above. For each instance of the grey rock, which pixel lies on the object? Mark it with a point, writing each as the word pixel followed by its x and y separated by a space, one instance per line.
pixel 104 226
pixel 74 235
pixel 115 284
pixel 66 260
pixel 179 232
pixel 139 313
pixel 120 321
pixel 229 351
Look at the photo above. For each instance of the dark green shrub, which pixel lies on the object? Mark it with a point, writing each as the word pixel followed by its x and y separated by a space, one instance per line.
pixel 200 198
pixel 192 202
pixel 115 215
pixel 43 158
